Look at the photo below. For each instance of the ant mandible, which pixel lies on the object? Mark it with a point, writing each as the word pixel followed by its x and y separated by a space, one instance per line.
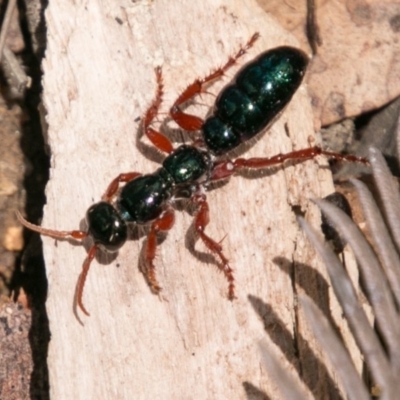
pixel 245 107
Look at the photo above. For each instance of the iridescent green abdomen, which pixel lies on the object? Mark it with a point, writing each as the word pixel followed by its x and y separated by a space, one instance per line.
pixel 260 91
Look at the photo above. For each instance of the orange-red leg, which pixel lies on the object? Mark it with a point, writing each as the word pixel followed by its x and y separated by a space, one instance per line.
pixel 201 221
pixel 227 168
pixel 82 279
pixel 158 139
pixel 64 235
pixel 163 224
pixel 190 122
pixel 113 186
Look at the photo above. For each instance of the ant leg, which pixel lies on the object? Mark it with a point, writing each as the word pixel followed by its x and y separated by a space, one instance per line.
pixel 64 235
pixel 227 168
pixel 163 224
pixel 158 139
pixel 190 122
pixel 82 279
pixel 113 186
pixel 201 221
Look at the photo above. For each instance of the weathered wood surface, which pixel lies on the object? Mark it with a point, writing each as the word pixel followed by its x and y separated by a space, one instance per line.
pixel 191 342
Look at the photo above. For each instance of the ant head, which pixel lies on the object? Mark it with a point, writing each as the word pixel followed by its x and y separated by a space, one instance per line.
pixel 106 227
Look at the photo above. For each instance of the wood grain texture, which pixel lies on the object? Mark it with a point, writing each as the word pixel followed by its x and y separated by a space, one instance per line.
pixel 191 342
